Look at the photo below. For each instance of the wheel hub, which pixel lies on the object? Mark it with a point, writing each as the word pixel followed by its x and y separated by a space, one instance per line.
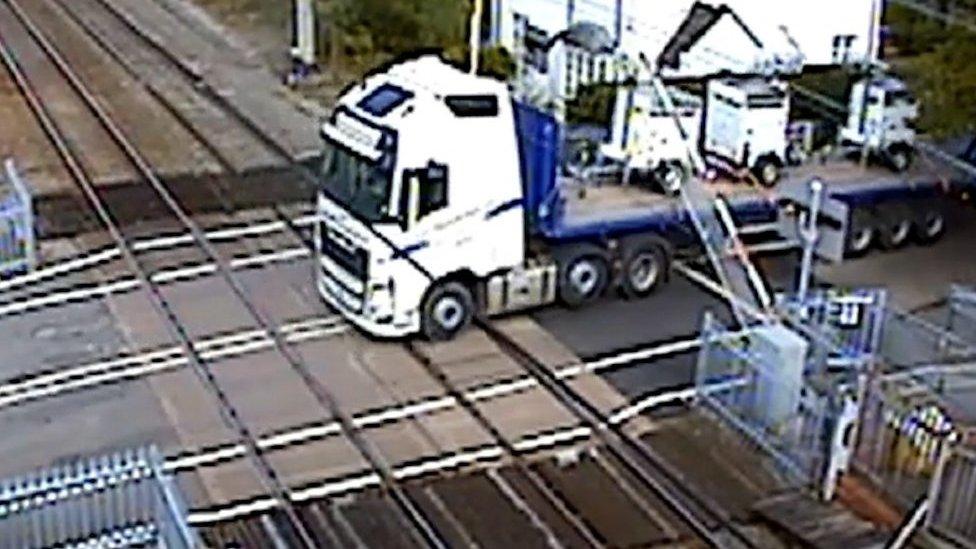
pixel 643 272
pixel 900 232
pixel 584 277
pixel 449 312
pixel 861 239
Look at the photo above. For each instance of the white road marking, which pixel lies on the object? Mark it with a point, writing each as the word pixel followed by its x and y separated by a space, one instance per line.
pixel 166 276
pixel 104 255
pixel 429 465
pixel 153 362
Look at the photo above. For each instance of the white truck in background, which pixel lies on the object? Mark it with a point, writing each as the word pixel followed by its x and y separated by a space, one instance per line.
pixel 742 127
pixel 881 121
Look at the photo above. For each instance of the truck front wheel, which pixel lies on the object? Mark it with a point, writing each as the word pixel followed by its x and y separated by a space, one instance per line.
pixel 645 266
pixel 583 277
pixel 899 157
pixel 447 311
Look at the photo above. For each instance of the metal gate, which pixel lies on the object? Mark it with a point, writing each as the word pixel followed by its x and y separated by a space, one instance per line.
pixel 17 240
pixel 953 498
pixel 745 388
pixel 124 500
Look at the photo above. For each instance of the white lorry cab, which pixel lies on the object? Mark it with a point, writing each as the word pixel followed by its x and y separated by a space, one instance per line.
pixel 645 137
pixel 420 161
pixel 881 117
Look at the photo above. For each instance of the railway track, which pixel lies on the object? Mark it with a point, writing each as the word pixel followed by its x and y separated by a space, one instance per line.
pixel 157 197
pixel 631 464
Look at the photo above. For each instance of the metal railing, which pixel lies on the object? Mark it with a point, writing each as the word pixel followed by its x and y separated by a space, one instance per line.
pixel 18 247
pixel 953 498
pixel 844 327
pixel 962 313
pixel 746 389
pixel 123 500
pixel 908 342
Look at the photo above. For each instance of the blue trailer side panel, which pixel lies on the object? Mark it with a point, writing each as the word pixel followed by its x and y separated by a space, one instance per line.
pixel 539 137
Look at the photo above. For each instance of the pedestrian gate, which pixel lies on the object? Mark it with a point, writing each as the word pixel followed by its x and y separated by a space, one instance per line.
pixel 123 500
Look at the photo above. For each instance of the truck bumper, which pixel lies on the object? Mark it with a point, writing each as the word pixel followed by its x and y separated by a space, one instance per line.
pixel 375 326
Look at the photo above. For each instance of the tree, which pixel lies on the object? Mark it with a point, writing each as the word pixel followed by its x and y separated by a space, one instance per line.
pixel 364 33
pixel 936 58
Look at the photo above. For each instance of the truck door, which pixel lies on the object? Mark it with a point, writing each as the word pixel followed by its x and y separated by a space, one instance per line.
pixel 724 131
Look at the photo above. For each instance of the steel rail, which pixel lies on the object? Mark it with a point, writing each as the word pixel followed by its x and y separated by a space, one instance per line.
pixel 160 305
pixel 407 506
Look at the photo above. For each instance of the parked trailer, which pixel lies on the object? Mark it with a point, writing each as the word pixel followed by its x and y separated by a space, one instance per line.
pixel 430 166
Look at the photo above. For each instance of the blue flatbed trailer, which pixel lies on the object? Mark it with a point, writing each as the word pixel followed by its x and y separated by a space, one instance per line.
pixel 562 210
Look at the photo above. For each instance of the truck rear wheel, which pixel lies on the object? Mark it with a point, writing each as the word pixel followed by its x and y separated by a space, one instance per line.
pixel 895 229
pixel 860 235
pixel 930 226
pixel 583 276
pixel 645 267
pixel 446 311
pixel 767 171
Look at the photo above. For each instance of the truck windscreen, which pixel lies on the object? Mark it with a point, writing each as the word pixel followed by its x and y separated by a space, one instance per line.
pixel 359 185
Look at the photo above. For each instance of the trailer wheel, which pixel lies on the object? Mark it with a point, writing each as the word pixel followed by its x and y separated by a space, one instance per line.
pixel 860 235
pixel 894 230
pixel 930 226
pixel 583 276
pixel 899 157
pixel 670 176
pixel 645 265
pixel 446 311
pixel 767 171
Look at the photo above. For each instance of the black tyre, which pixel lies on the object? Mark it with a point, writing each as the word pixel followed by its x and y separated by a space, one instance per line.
pixel 644 267
pixel 767 171
pixel 795 154
pixel 930 226
pixel 894 231
pixel 860 234
pixel 670 175
pixel 583 277
pixel 446 311
pixel 899 157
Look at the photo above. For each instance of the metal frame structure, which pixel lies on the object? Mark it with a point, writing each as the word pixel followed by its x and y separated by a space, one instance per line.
pixel 119 500
pixel 18 240
pixel 728 379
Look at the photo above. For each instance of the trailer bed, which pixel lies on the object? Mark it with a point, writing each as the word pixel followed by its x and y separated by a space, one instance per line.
pixel 610 210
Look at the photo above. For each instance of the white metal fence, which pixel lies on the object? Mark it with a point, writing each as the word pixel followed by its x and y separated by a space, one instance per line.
pixel 124 500
pixel 17 239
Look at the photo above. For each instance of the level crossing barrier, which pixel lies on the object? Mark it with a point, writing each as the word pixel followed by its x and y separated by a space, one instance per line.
pixel 18 246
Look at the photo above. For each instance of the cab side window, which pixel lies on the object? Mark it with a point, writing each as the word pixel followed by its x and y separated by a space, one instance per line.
pixel 433 189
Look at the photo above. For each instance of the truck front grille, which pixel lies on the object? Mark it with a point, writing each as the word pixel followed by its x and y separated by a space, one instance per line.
pixel 351 258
